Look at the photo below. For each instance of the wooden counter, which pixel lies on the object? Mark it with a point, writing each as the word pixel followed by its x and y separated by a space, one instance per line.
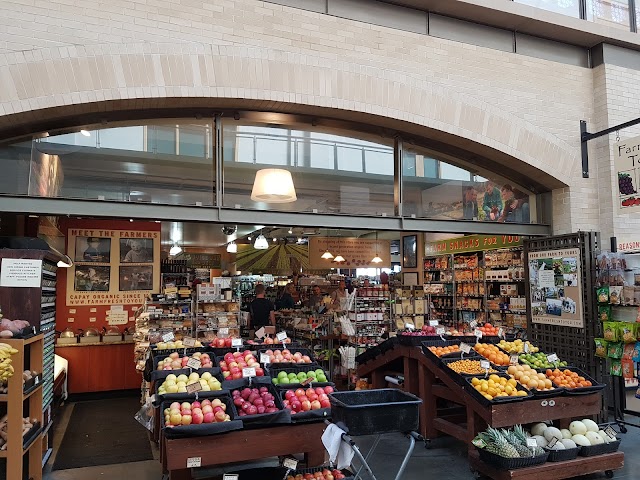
pixel 100 367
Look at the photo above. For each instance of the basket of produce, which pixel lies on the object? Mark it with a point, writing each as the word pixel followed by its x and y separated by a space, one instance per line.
pixel 594 439
pixel 174 385
pixel 536 382
pixel 492 353
pixel 539 361
pixel 574 381
pixel 561 454
pixel 284 357
pixel 371 412
pixel 458 368
pixel 231 364
pixel 308 404
pixel 258 403
pixel 30 381
pixel 507 449
pixel 435 350
pixel 318 473
pixel 496 388
pixel 516 347
pixel 208 415
pixel 299 375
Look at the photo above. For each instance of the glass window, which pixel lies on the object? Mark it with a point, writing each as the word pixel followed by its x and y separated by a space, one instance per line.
pixel 161 139
pixel 193 140
pixel 123 138
pixel 452 172
pixel 614 13
pixel 565 7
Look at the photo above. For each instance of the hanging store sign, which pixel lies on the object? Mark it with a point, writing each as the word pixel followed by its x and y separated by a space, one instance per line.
pixel 472 243
pixel 357 252
pixel 556 287
pixel 628 243
pixel 626 159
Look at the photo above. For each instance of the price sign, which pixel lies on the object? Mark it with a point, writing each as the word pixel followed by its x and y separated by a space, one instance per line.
pixel 194 462
pixel 248 372
pixel 37 381
pixel 440 330
pixel 409 326
pixel 433 323
pixel 194 387
pixel 531 442
pixel 168 337
pixel 282 336
pixel 552 442
pixel 526 347
pixel 513 360
pixel 465 347
pixel 501 332
pixel 194 363
pixel 264 359
pixel 552 358
pixel 223 331
pixel 473 324
pixel 290 463
pixel 478 442
pixel 230 476
pixel 236 342
pixel 189 342
pixel 611 433
pixel 260 333
pixel 306 382
pixel 485 364
pixel 478 333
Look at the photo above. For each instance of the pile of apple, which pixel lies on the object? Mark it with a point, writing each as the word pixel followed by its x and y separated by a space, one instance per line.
pixel 302 400
pixel 233 364
pixel 174 344
pixel 185 413
pixel 285 356
pixel 173 384
pixel 175 362
pixel 254 401
pixel 219 342
pixel 325 474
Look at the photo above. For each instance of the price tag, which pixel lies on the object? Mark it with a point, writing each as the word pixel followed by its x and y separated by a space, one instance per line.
pixel 223 331
pixel 230 476
pixel 248 372
pixel 409 326
pixel 478 333
pixel 465 347
pixel 440 330
pixel 282 336
pixel 485 364
pixel 236 342
pixel 433 323
pixel 194 363
pixel 306 382
pixel 194 462
pixel 501 332
pixel 478 442
pixel 513 360
pixel 290 463
pixel 260 333
pixel 189 342
pixel 526 347
pixel 531 442
pixel 552 442
pixel 473 324
pixel 264 359
pixel 552 358
pixel 144 344
pixel 37 380
pixel 194 387
pixel 611 433
pixel 168 337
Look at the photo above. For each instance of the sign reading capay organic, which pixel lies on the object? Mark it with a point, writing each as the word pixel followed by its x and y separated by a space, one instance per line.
pixel 626 156
pixel 472 243
pixel 357 252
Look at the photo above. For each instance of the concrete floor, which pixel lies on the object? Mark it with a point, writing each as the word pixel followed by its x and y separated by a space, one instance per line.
pixel 446 456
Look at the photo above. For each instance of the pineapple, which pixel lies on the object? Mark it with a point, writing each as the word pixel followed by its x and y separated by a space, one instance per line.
pixel 502 447
pixel 521 435
pixel 513 439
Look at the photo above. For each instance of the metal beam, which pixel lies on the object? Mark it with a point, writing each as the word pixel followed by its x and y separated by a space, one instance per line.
pixel 153 211
pixel 585 136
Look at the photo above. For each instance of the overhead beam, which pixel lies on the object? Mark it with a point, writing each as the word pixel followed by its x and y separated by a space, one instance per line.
pixel 586 136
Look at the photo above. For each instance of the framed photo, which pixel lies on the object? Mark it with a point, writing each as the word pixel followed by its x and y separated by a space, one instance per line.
pixel 93 278
pixel 410 279
pixel 410 251
pixel 136 277
pixel 93 249
pixel 136 250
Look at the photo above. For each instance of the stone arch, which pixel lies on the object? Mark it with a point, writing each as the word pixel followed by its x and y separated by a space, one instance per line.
pixel 67 81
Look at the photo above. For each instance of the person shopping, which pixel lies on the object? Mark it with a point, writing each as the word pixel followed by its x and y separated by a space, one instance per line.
pixel 338 294
pixel 261 310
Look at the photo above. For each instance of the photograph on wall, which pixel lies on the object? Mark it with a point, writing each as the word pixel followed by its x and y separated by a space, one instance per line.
pixel 136 250
pixel 136 277
pixel 91 278
pixel 410 251
pixel 93 249
pixel 556 290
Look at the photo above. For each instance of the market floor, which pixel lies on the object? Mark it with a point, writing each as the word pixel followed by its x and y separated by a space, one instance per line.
pixel 445 454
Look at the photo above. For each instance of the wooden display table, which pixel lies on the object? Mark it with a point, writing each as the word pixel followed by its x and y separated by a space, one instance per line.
pixel 242 446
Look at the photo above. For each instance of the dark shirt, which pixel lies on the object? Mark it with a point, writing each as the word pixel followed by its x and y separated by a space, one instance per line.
pixel 286 301
pixel 91 255
pixel 261 309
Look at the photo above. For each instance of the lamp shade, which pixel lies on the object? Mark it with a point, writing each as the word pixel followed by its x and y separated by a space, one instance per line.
pixel 175 250
pixel 273 185
pixel 339 259
pixel 327 255
pixel 376 259
pixel 232 248
pixel 261 243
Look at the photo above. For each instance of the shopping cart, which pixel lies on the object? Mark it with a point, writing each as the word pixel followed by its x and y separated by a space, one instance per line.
pixel 376 412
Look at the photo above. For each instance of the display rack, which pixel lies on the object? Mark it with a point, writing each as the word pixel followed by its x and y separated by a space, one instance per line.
pixel 25 401
pixel 439 288
pixel 410 305
pixel 370 315
pixel 213 315
pixel 469 286
pixel 505 287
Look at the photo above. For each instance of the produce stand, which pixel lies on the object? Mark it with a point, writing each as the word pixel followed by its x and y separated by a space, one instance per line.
pixel 242 446
pixel 427 379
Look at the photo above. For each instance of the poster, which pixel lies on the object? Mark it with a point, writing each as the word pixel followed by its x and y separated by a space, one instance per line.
pixel 112 266
pixel 20 272
pixel 357 252
pixel 556 287
pixel 626 159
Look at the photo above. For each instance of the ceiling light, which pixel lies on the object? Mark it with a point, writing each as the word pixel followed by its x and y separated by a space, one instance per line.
pixel 261 243
pixel 175 250
pixel 273 185
pixel 299 240
pixel 86 133
pixel 249 238
pixel 339 259
pixel 377 258
pixel 66 262
pixel 327 255
pixel 290 231
pixel 232 247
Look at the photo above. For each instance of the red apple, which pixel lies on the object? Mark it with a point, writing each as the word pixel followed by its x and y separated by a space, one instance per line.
pixel 220 416
pixel 197 418
pixel 315 405
pixel 209 417
pixel 306 405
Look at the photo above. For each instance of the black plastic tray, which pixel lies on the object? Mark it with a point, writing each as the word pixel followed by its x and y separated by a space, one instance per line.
pixel 415 340
pixel 371 412
pixel 310 416
pixel 202 430
pixel 303 351
pixel 460 377
pixel 503 463
pixel 595 387
pixel 601 449
pixel 31 435
pixel 274 373
pixel 282 416
pixel 562 455
pixel 175 396
pixel 486 402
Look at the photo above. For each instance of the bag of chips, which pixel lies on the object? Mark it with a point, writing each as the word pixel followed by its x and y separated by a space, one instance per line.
pixel 610 331
pixel 616 368
pixel 627 368
pixel 628 350
pixel 601 347
pixel 615 294
pixel 636 352
pixel 604 313
pixel 614 350
pixel 603 294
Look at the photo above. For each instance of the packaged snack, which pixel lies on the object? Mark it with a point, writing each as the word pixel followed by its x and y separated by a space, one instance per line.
pixel 614 350
pixel 627 332
pixel 610 331
pixel 636 352
pixel 628 296
pixel 616 368
pixel 601 347
pixel 603 261
pixel 627 368
pixel 615 293
pixel 628 350
pixel 604 313
pixel 603 294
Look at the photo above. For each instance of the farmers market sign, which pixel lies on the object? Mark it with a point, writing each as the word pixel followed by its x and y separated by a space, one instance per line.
pixel 472 243
pixel 626 157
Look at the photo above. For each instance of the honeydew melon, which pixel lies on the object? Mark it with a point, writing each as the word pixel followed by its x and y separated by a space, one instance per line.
pixel 568 443
pixel 558 446
pixel 577 428
pixel 540 440
pixel 566 433
pixel 581 440
pixel 538 429
pixel 591 425
pixel 594 438
pixel 552 432
pixel 605 437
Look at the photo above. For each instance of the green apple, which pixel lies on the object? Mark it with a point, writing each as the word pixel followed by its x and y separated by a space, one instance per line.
pixel 311 374
pixel 274 381
pixel 284 380
pixel 282 375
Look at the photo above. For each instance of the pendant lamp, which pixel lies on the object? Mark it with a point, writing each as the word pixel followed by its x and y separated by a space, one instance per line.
pixel 273 185
pixel 232 247
pixel 377 258
pixel 339 259
pixel 175 250
pixel 261 243
pixel 327 254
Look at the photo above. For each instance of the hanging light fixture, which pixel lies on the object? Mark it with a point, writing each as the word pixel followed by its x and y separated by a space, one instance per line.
pixel 273 185
pixel 327 254
pixel 339 259
pixel 175 250
pixel 376 259
pixel 66 262
pixel 232 247
pixel 261 243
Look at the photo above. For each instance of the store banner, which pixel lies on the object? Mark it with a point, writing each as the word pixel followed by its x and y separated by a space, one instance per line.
pixel 357 252
pixel 556 287
pixel 626 159
pixel 472 243
pixel 112 266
